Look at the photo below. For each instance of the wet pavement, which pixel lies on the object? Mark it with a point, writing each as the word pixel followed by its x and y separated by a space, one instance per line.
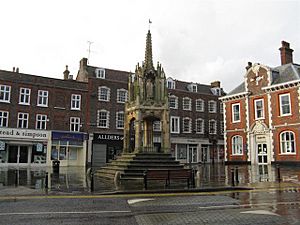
pixel 77 180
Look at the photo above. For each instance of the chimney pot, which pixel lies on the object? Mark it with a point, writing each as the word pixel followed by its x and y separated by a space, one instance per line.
pixel 248 66
pixel 14 69
pixel 286 53
pixel 17 70
pixel 66 73
pixel 215 84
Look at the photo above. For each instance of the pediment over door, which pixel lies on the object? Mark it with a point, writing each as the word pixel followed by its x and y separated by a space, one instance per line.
pixel 259 128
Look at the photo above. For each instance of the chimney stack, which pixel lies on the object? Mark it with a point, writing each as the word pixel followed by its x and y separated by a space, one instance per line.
pixel 66 73
pixel 286 53
pixel 83 63
pixel 17 70
pixel 215 84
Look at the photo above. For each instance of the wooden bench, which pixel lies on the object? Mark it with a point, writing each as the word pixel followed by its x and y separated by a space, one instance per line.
pixel 168 175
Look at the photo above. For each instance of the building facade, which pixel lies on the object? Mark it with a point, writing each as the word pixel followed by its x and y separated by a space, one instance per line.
pixel 41 120
pixel 261 115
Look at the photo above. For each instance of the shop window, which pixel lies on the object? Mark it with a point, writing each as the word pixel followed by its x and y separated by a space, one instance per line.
pixel 54 153
pixel 39 151
pixel 65 150
pixel 62 152
pixel 72 153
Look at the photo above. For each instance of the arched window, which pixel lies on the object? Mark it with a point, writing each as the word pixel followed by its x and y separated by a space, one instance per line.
pixel 237 145
pixel 287 142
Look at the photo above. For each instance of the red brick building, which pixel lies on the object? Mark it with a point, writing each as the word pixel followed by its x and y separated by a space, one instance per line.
pixel 261 116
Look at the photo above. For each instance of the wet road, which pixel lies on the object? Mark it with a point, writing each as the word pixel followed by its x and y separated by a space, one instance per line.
pixel 262 206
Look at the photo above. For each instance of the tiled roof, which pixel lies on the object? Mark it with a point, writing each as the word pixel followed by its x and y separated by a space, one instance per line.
pixel 238 89
pixel 285 73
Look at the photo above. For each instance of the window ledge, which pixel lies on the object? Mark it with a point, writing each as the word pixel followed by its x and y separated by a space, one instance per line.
pixel 284 154
pixel 75 109
pixel 21 103
pixel 284 115
pixel 44 106
pixel 1 101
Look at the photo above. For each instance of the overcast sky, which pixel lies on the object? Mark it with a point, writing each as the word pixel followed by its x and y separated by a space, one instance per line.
pixel 199 41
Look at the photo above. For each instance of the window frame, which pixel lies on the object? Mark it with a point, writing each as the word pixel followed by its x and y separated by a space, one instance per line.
pixel 233 113
pixel 75 124
pixel 41 123
pixel 189 108
pixel 176 102
pixel 209 126
pixel 176 128
pixel 291 145
pixel 6 93
pixel 4 118
pixel 210 108
pixel 186 123
pixel 255 109
pixel 20 122
pixel 157 125
pixel 100 73
pixel 42 97
pixel 76 102
pixel 106 119
pixel 118 121
pixel 237 147
pixel 198 106
pixel 197 126
pixel 25 96
pixel 107 99
pixel 119 98
pixel 280 104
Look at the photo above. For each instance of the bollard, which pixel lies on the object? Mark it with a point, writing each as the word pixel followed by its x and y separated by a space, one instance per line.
pixel 46 181
pixel 278 172
pixel 16 178
pixel 237 175
pixel 92 181
pixel 232 177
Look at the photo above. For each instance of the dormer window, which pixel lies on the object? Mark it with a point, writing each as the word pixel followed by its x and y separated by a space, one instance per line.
pixel 170 83
pixel 100 73
pixel 216 91
pixel 192 87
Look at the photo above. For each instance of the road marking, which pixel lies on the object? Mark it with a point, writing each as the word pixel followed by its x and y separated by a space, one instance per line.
pixel 49 213
pixel 261 212
pixel 133 201
pixel 249 205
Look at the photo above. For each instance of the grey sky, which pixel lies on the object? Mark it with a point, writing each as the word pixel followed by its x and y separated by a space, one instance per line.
pixel 195 40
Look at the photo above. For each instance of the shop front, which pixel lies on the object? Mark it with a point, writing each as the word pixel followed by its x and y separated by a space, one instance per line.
pixel 68 148
pixel 106 147
pixel 23 147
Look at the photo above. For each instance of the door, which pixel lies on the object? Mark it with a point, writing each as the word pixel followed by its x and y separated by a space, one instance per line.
pixel 23 154
pixel 13 154
pixel 262 153
pixel 99 155
pixel 193 154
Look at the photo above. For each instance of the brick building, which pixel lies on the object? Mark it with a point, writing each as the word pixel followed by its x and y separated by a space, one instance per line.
pixel 42 119
pixel 262 123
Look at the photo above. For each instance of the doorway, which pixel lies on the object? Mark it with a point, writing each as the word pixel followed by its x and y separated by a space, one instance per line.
pixel 262 153
pixel 17 154
pixel 193 154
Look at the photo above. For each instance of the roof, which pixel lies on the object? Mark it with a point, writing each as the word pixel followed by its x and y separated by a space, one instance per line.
pixel 238 89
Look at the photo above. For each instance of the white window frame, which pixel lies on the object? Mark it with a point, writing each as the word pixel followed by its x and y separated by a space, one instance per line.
pixel 200 105
pixel 100 95
pixel 103 119
pixel 4 115
pixel 287 147
pixel 221 108
pixel 100 73
pixel 200 128
pixel 23 120
pixel 210 126
pixel 186 125
pixel 119 121
pixel 212 106
pixel 170 84
pixel 175 120
pixel 43 96
pixel 233 112
pixel 281 105
pixel 187 105
pixel 194 88
pixel 75 102
pixel 176 102
pixel 75 124
pixel 5 93
pixel 237 145
pixel 157 125
pixel 41 122
pixel 24 96
pixel 256 110
pixel 120 98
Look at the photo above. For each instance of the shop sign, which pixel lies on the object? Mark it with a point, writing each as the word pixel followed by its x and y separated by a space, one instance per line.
pixel 66 136
pixel 108 137
pixel 2 146
pixel 39 147
pixel 24 134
